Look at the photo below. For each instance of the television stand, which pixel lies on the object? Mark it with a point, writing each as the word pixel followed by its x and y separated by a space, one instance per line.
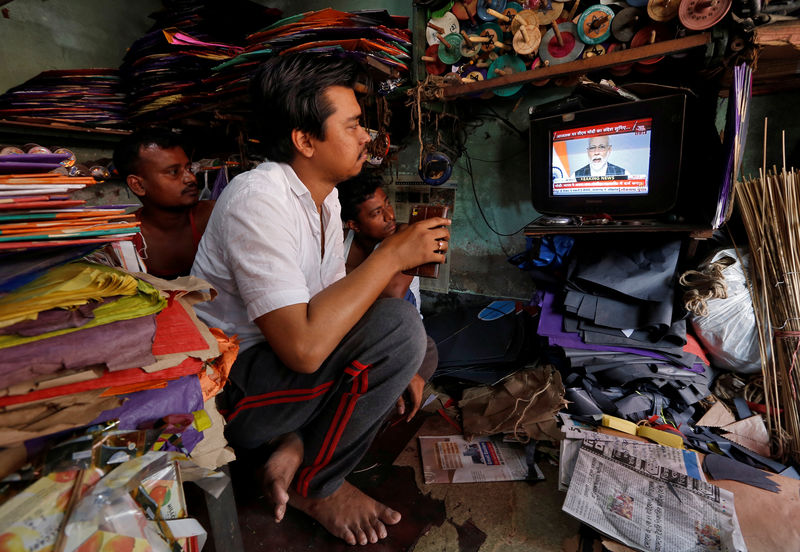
pixel 695 232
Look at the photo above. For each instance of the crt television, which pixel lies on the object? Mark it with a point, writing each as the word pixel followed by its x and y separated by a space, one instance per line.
pixel 621 160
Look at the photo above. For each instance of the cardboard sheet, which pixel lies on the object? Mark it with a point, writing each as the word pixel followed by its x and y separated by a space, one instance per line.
pixel 18 424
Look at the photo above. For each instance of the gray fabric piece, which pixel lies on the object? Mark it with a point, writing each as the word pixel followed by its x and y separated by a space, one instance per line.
pixel 663 346
pixel 742 410
pixel 642 315
pixel 264 399
pixel 572 301
pixel 570 324
pixel 640 268
pixel 720 467
pixel 588 308
pixel 635 403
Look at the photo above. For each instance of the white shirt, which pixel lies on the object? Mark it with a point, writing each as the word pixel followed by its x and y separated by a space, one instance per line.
pixel 599 172
pixel 261 249
pixel 413 287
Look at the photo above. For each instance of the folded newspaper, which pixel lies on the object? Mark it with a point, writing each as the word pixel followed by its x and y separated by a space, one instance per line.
pixel 453 459
pixel 642 495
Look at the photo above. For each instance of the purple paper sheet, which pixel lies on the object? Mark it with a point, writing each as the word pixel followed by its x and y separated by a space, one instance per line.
pixel 34 158
pixel 180 396
pixel 11 168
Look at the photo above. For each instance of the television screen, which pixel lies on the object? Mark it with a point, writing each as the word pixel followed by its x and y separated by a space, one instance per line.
pixel 622 160
pixel 607 159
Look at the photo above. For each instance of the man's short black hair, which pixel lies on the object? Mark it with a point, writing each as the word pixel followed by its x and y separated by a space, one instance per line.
pixel 355 191
pixel 287 93
pixel 126 154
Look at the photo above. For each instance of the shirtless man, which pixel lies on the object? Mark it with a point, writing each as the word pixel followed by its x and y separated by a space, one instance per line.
pixel 323 358
pixel 172 217
pixel 369 219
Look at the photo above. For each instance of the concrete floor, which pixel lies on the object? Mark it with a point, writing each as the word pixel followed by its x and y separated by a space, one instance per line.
pixel 513 516
pixel 458 517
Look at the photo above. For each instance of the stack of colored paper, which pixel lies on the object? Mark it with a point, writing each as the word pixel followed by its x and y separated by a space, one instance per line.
pixel 162 72
pixel 79 335
pixel 85 97
pixel 37 210
pixel 380 41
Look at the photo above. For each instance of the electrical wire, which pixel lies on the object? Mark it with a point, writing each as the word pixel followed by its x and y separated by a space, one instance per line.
pixel 522 133
pixel 478 204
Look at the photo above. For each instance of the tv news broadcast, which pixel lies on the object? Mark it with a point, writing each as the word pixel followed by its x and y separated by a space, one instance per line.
pixel 603 159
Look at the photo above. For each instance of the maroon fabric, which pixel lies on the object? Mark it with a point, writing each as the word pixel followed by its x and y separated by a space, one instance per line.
pixel 118 346
pixel 56 319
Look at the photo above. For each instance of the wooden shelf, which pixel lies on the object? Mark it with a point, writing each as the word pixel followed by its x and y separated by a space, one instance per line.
pixel 581 66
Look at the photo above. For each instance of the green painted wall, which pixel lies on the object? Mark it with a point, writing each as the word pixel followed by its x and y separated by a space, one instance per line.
pixel 499 186
pixel 67 34
pixel 782 112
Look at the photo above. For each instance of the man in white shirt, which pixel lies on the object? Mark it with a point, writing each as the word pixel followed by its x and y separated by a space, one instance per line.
pixel 322 361
pixel 598 150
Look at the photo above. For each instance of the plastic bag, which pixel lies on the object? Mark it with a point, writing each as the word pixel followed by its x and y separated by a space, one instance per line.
pixel 728 332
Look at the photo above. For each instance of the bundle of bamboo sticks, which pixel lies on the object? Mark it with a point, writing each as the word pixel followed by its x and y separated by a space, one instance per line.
pixel 770 209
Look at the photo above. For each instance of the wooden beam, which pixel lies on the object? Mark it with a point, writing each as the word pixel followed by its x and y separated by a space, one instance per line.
pixel 581 66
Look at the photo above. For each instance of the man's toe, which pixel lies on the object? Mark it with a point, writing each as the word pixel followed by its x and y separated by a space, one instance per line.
pixel 390 517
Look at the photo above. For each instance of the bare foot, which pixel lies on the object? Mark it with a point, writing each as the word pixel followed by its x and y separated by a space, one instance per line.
pixel 348 514
pixel 278 472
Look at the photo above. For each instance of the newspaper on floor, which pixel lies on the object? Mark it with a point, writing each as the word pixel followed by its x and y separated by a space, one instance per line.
pixel 648 506
pixel 686 462
pixel 453 459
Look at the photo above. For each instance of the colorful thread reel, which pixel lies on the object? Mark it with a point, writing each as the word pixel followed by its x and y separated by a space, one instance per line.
pixel 504 66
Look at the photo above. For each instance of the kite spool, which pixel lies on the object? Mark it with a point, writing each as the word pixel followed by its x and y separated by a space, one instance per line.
pixel 436 168
pixel 465 10
pixel 662 10
pixel 469 47
pixel 547 13
pixel 626 23
pixel 449 50
pixel 538 63
pixel 494 5
pixel 511 11
pixel 649 35
pixel 594 24
pixel 506 65
pixel 524 17
pixel 569 48
pixel 622 69
pixel 445 25
pixel 595 50
pixel 698 15
pixel 494 34
pixel 433 64
pixel 527 39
